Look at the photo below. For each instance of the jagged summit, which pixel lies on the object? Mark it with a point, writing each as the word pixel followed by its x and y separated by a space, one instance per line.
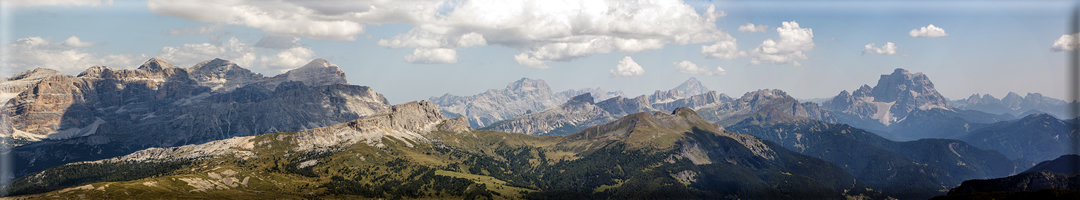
pixel 583 98
pixel 692 87
pixel 890 101
pixel 526 85
pixel 36 73
pixel 156 64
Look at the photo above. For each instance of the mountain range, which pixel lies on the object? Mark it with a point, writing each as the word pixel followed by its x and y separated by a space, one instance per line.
pixel 412 151
pixel 105 112
pixel 520 97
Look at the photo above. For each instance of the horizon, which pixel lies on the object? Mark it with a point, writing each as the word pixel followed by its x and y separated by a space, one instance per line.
pixel 808 49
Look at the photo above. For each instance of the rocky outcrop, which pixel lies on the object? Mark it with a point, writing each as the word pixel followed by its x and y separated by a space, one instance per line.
pixel 660 97
pixel 597 93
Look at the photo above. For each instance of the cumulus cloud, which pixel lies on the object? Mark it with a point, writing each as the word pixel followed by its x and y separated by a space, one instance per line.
pixel 793 41
pixel 245 55
pixel 725 50
pixel 66 56
pixel 1066 43
pixel 74 41
pixel 432 56
pixel 928 31
pixel 33 3
pixel 750 27
pixel 627 67
pixel 274 17
pixel 542 30
pixel 888 49
pixel 691 68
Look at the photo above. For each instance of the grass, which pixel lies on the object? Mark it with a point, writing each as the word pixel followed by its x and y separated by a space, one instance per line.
pixel 492 183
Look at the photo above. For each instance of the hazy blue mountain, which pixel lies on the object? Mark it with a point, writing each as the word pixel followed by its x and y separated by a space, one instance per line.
pixel 914 169
pixel 1035 137
pixel 578 113
pixel 692 87
pixel 1014 104
pixel 732 111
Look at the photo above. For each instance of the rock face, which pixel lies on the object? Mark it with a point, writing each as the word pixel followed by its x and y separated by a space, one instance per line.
pixel 1013 104
pixel 518 98
pixel 597 93
pixel 316 72
pixel 660 97
pixel 709 98
pixel 106 112
pixel 623 106
pixel 570 117
pixel 894 96
pixel 692 87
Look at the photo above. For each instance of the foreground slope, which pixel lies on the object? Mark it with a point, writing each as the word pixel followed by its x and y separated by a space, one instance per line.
pixel 1055 179
pixel 412 151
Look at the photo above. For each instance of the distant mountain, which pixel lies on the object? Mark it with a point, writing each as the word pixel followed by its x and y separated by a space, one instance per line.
pixel 710 98
pixel 1066 164
pixel 905 106
pixel 570 117
pixel 894 96
pixel 692 87
pixel 106 112
pixel 1045 181
pixel 915 169
pixel 1035 137
pixel 1013 104
pixel 730 112
pixel 597 93
pixel 520 97
pixel 622 106
pixel 412 151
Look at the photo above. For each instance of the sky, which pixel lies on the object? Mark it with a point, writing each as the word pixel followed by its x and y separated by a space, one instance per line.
pixel 413 50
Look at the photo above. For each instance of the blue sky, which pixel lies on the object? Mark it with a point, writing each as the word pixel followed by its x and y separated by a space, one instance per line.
pixel 991 46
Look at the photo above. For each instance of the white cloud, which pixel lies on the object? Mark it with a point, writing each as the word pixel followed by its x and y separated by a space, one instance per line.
pixel 888 49
pixel 33 3
pixel 556 30
pixel 691 68
pixel 74 41
pixel 66 56
pixel 1066 43
pixel 627 67
pixel 194 30
pixel 275 18
pixel 725 50
pixel 928 31
pixel 245 55
pixel 750 27
pixel 793 41
pixel 432 56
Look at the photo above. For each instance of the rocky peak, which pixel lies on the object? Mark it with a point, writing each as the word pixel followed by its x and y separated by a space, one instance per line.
pixel 37 73
pixel 863 91
pixel 222 75
pixel 692 87
pixel 458 124
pixel 156 64
pixel 527 85
pixel 583 98
pixel 622 106
pixel 666 96
pixel 96 71
pixel 318 72
pixel 891 87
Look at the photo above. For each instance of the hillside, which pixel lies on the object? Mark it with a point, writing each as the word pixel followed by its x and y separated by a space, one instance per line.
pixel 412 151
